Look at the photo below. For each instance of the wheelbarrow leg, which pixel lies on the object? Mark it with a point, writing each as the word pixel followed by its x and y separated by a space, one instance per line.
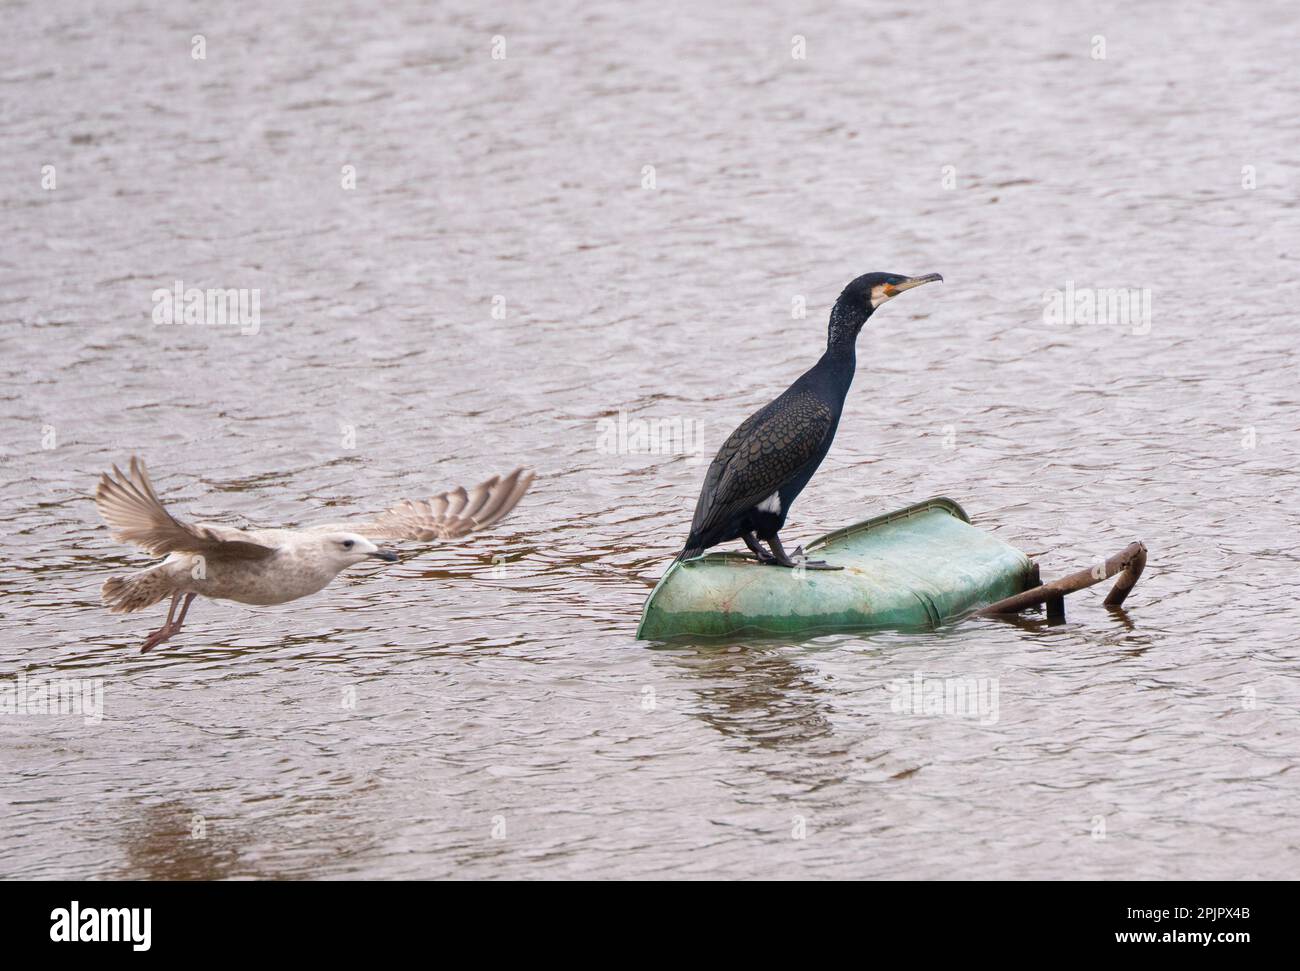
pixel 1129 563
pixel 1128 578
pixel 1056 610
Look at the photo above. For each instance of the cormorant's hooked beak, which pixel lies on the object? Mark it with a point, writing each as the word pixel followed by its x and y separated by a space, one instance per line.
pixel 893 289
pixel 388 556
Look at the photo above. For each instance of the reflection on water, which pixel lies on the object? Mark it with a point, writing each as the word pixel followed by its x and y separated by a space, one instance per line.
pixel 763 699
pixel 482 710
pixel 170 841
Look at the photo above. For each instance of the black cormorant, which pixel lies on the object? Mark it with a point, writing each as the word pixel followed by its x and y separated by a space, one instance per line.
pixel 767 461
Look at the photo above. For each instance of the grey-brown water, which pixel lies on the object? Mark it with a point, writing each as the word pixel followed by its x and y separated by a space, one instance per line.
pixel 497 274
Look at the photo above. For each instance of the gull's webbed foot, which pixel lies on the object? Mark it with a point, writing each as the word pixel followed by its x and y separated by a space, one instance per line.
pixel 171 627
pixel 159 636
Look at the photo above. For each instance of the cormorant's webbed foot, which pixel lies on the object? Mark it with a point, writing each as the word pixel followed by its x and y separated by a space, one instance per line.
pixel 802 558
pixel 781 559
pixel 756 547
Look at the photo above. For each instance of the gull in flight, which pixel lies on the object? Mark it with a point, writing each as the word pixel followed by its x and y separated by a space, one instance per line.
pixel 270 566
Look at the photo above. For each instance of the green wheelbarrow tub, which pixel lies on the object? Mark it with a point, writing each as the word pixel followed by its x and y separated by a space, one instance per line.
pixel 916 568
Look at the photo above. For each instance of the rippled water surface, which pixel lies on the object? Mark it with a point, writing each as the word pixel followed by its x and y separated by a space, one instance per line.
pixel 506 722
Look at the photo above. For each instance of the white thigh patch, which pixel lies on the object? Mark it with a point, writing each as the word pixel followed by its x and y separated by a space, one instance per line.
pixel 771 504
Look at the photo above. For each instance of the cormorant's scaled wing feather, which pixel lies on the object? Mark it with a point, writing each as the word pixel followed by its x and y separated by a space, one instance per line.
pixel 763 454
pixel 136 515
pixel 448 515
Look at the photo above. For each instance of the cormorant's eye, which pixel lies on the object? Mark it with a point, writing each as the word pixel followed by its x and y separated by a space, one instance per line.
pixel 347 544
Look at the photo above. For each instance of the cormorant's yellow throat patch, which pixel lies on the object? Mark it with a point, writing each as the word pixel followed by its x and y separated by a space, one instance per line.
pixel 882 292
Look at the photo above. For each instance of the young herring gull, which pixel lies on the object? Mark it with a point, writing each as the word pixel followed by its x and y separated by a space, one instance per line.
pixel 270 566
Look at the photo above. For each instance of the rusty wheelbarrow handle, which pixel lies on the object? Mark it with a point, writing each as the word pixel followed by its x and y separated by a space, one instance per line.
pixel 1128 562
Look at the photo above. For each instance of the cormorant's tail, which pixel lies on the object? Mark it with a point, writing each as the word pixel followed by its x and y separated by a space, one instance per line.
pixel 689 553
pixel 135 591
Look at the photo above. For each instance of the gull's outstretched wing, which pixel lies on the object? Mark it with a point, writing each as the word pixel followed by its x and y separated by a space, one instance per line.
pixel 445 516
pixel 136 515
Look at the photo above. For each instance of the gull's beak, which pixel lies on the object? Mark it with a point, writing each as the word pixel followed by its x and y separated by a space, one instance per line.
pixel 388 556
pixel 912 281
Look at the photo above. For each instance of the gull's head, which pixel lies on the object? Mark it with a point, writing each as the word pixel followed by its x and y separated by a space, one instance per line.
pixel 344 549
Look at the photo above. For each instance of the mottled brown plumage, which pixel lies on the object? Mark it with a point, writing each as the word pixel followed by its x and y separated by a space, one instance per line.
pixel 136 515
pixel 448 515
pixel 270 566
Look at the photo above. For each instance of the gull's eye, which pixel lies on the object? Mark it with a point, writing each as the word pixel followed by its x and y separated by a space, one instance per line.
pixel 347 544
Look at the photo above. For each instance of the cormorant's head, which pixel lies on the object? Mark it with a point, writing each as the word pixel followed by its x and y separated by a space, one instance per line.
pixel 861 297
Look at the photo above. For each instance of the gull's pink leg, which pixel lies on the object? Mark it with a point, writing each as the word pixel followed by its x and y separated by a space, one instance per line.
pixel 171 627
pixel 163 632
pixel 185 609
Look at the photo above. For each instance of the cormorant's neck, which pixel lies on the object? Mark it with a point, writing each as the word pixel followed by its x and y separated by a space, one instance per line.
pixel 842 339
